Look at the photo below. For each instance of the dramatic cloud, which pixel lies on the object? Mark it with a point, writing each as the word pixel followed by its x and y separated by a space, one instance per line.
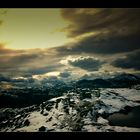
pixel 27 62
pixel 21 59
pixel 86 63
pixel 101 31
pixel 101 44
pixel 85 20
pixel 105 33
pixel 18 61
pixel 130 61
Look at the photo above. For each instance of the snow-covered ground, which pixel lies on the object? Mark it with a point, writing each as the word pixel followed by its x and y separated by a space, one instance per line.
pixel 117 99
pixel 130 94
pixel 71 113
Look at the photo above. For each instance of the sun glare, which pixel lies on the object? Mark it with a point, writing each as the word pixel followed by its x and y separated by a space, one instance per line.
pixel 33 28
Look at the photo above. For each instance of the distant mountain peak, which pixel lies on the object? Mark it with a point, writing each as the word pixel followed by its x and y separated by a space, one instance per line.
pixel 121 80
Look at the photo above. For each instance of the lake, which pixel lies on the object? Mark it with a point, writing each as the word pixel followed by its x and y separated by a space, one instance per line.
pixel 130 119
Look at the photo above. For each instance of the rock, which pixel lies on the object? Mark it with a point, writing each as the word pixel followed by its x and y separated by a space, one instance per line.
pixel 48 108
pixel 94 114
pixel 127 109
pixel 54 124
pixel 17 117
pixel 66 110
pixel 26 123
pixel 86 95
pixel 42 128
pixel 46 114
pixel 65 106
pixel 56 106
pixel 102 121
pixel 49 119
pixel 4 124
pixel 101 111
pixel 42 111
pixel 25 115
pixel 49 130
pixel 58 100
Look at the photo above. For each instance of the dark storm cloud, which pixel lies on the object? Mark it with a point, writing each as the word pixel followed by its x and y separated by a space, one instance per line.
pixel 18 63
pixel 19 60
pixel 86 63
pixel 131 61
pixel 102 44
pixel 25 58
pixel 85 20
pixel 115 30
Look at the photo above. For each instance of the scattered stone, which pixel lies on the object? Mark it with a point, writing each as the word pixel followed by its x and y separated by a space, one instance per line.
pixel 54 124
pixel 49 119
pixel 4 124
pixel 42 128
pixel 25 115
pixel 58 100
pixel 26 123
pixel 56 106
pixel 66 110
pixel 102 121
pixel 17 117
pixel 42 111
pixel 46 114
pixel 65 106
pixel 86 95
pixel 48 108
pixel 49 130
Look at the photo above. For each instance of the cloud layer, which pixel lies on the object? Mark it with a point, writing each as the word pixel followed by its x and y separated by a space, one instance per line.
pixel 87 63
pixel 130 61
pixel 102 44
pixel 98 35
pixel 116 20
pixel 27 62
pixel 101 30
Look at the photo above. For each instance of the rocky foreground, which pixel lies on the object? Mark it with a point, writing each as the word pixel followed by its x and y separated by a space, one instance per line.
pixel 83 110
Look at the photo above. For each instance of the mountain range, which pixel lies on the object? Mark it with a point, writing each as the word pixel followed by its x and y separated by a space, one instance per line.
pixel 119 81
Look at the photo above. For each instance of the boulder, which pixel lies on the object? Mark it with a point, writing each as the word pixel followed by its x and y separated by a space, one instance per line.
pixel 42 129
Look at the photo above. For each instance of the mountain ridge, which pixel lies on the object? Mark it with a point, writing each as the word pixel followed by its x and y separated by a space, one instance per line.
pixel 122 80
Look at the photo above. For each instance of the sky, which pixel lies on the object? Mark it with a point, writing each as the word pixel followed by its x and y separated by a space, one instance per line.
pixel 69 42
pixel 22 26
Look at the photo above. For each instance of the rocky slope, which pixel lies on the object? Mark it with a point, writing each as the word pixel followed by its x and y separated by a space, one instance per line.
pixel 80 109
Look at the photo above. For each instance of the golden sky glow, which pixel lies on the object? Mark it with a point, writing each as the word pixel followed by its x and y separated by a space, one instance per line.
pixel 32 28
